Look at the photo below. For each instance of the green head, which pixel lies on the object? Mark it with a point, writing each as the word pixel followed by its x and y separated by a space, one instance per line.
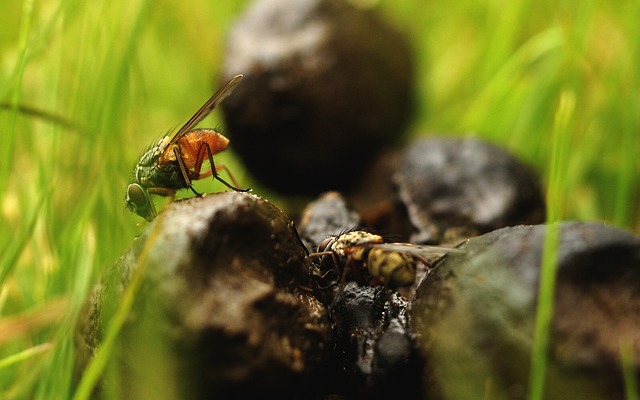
pixel 139 201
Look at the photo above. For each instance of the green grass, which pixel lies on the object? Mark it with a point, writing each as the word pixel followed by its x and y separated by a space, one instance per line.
pixel 557 177
pixel 123 73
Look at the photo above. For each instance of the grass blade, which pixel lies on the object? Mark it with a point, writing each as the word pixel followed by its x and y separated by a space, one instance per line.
pixel 98 364
pixel 627 361
pixel 9 259
pixel 557 177
pixel 7 141
pixel 23 355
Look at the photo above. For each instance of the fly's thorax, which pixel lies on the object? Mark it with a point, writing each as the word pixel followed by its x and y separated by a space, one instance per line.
pixel 354 238
pixel 357 253
pixel 160 148
pixel 141 175
pixel 145 174
pixel 168 155
pixel 153 154
pixel 150 172
pixel 392 268
pixel 148 160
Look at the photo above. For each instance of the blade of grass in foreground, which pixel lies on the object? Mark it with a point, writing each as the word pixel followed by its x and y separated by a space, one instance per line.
pixel 24 354
pixel 627 83
pixel 627 360
pixel 96 367
pixel 9 258
pixel 6 139
pixel 557 180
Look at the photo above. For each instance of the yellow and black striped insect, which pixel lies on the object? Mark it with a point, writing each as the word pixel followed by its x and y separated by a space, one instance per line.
pixel 175 161
pixel 374 261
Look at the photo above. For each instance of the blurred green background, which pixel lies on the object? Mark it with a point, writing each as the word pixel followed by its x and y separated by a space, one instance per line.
pixel 98 81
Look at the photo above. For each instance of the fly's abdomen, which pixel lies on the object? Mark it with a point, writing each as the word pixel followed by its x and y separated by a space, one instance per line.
pixel 392 268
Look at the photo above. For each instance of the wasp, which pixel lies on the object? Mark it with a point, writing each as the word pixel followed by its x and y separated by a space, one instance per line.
pixel 175 161
pixel 376 261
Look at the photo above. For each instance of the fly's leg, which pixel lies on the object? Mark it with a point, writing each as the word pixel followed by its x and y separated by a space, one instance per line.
pixel 341 284
pixel 235 182
pixel 206 150
pixel 343 275
pixel 185 171
pixel 163 192
pixel 356 269
pixel 334 258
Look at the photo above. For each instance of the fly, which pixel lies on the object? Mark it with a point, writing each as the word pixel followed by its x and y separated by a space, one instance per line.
pixel 175 161
pixel 375 261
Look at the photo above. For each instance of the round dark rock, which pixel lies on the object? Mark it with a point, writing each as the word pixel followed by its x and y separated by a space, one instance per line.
pixel 475 314
pixel 374 349
pixel 224 300
pixel 378 350
pixel 326 86
pixel 375 198
pixel 328 215
pixel 460 187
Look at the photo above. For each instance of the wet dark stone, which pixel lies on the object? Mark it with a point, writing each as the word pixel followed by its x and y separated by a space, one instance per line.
pixel 331 215
pixel 226 289
pixel 326 86
pixel 327 215
pixel 374 349
pixel 378 357
pixel 376 200
pixel 475 314
pixel 464 187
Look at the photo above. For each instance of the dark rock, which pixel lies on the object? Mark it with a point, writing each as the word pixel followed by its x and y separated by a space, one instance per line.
pixel 326 87
pixel 463 187
pixel 374 348
pixel 376 199
pixel 377 350
pixel 328 215
pixel 226 291
pixel 475 314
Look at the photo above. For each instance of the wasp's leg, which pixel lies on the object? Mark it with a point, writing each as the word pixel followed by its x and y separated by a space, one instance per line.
pixel 206 150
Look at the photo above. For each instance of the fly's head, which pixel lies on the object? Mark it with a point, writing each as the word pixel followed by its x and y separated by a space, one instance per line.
pixel 327 244
pixel 138 200
pixel 137 197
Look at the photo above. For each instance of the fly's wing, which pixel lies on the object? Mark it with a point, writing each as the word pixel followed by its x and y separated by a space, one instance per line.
pixel 207 107
pixel 418 251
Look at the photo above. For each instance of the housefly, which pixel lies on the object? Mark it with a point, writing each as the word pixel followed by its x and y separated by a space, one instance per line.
pixel 175 161
pixel 374 261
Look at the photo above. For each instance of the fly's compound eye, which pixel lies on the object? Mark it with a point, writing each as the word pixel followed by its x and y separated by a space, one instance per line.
pixel 137 198
pixel 325 244
pixel 139 202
